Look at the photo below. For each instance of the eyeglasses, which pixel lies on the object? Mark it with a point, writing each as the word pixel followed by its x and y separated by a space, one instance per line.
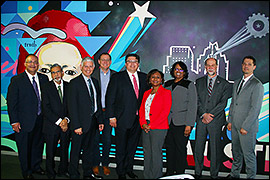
pixel 105 60
pixel 132 61
pixel 180 70
pixel 32 62
pixel 54 72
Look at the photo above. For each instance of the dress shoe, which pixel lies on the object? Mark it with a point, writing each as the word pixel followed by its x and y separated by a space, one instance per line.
pixel 40 171
pixel 65 174
pixel 106 170
pixel 95 170
pixel 196 176
pixel 50 177
pixel 30 176
pixel 122 177
pixel 93 176
pixel 230 177
pixel 132 175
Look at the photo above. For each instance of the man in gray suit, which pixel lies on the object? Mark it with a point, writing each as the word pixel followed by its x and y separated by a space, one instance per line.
pixel 243 119
pixel 213 92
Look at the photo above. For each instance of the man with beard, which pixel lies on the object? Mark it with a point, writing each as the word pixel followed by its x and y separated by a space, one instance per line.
pixel 213 92
pixel 55 125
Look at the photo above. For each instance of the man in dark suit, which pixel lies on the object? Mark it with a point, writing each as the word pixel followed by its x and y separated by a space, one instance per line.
pixel 84 107
pixel 56 120
pixel 213 92
pixel 123 100
pixel 24 110
pixel 103 75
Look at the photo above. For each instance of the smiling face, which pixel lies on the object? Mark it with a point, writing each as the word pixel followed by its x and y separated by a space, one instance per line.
pixel 248 67
pixel 104 62
pixel 132 64
pixel 87 68
pixel 57 74
pixel 31 64
pixel 178 72
pixel 155 79
pixel 211 67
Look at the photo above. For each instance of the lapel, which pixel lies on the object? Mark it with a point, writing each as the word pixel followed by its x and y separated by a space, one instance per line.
pixel 245 85
pixel 216 85
pixel 126 76
pixel 55 91
pixel 28 83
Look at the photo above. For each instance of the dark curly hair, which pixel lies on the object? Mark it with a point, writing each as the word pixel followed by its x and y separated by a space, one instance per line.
pixel 182 65
pixel 153 71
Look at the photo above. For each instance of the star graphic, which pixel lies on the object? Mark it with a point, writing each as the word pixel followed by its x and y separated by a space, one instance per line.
pixel 141 12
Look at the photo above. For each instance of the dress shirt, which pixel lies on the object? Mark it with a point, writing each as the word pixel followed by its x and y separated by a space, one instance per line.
pixel 245 81
pixel 94 89
pixel 62 89
pixel 104 81
pixel 30 76
pixel 131 78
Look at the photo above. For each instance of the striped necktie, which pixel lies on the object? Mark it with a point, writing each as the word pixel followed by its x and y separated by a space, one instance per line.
pixel 60 93
pixel 209 89
pixel 91 96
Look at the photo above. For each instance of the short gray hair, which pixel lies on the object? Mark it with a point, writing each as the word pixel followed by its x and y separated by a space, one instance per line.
pixel 87 59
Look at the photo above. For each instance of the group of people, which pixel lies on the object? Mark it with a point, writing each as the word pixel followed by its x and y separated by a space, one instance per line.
pixel 136 105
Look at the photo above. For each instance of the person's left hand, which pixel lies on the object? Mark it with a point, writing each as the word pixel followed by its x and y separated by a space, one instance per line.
pixel 100 127
pixel 187 131
pixel 243 132
pixel 146 128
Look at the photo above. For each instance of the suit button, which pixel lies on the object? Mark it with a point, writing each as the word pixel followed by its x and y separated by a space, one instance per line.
pixel 236 104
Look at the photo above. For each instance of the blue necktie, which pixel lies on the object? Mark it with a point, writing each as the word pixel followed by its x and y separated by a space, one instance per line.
pixel 37 93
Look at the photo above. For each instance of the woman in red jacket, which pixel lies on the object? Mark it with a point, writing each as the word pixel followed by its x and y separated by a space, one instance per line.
pixel 154 111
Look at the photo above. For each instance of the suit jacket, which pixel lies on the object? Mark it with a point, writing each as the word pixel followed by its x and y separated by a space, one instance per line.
pixel 22 101
pixel 245 107
pixel 159 109
pixel 217 102
pixel 53 108
pixel 79 104
pixel 121 100
pixel 184 105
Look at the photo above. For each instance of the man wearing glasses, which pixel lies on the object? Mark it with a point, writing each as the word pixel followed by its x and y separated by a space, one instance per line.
pixel 103 75
pixel 123 99
pixel 24 110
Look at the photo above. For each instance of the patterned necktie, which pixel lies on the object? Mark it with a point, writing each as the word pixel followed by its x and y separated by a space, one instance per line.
pixel 60 93
pixel 209 89
pixel 37 93
pixel 240 87
pixel 91 96
pixel 135 86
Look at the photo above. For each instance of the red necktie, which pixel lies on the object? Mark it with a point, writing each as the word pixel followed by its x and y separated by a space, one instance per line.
pixel 135 86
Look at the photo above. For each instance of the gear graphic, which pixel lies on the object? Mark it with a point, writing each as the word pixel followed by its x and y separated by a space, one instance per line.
pixel 258 25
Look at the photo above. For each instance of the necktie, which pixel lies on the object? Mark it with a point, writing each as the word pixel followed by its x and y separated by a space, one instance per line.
pixel 209 89
pixel 240 87
pixel 60 93
pixel 37 93
pixel 135 86
pixel 91 97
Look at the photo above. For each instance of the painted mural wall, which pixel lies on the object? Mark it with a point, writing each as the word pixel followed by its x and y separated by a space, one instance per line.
pixel 161 32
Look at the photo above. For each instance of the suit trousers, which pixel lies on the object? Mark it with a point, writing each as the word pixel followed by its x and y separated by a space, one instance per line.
pixel 105 138
pixel 82 143
pixel 152 147
pixel 30 148
pixel 126 144
pixel 51 146
pixel 243 147
pixel 176 145
pixel 213 129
